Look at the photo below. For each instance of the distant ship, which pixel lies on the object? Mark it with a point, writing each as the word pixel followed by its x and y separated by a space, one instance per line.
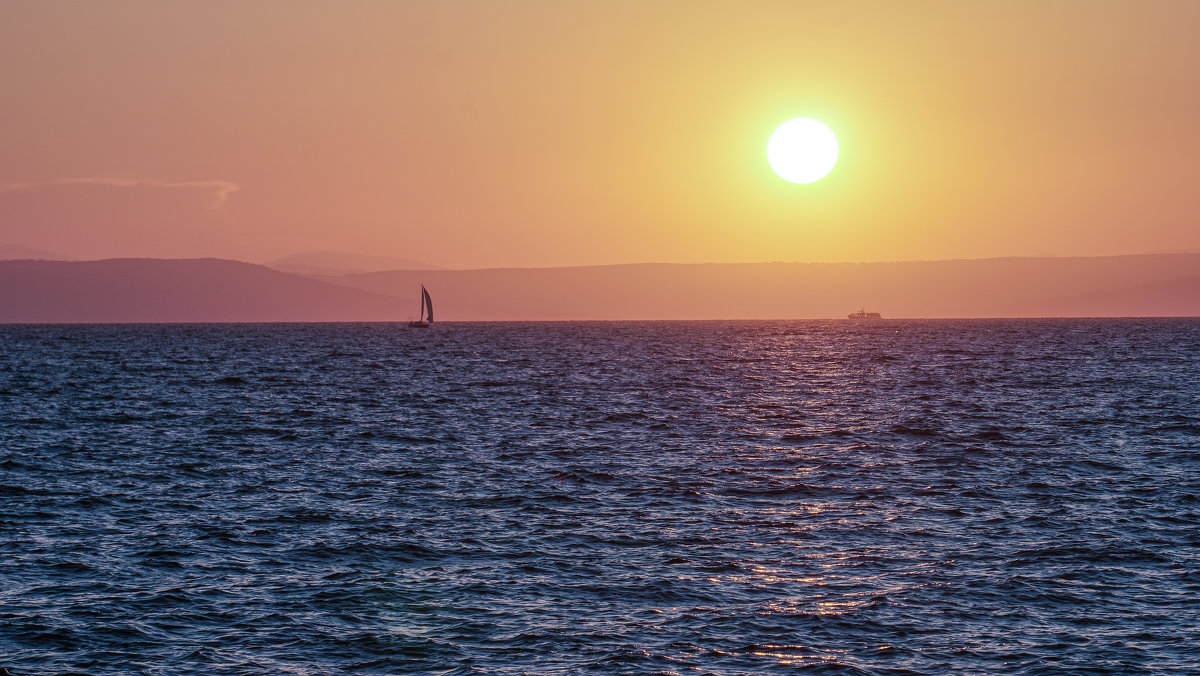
pixel 863 314
pixel 425 318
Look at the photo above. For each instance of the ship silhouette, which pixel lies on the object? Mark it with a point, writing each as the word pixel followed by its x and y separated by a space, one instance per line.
pixel 863 314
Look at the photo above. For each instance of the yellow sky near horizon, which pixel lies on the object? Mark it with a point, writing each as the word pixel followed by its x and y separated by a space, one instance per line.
pixel 537 133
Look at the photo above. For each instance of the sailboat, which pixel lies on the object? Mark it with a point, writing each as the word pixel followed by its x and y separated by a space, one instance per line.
pixel 425 318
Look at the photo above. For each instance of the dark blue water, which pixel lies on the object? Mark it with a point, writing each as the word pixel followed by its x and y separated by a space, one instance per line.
pixel 888 497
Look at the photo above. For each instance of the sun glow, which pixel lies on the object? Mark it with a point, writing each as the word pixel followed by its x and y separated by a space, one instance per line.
pixel 802 150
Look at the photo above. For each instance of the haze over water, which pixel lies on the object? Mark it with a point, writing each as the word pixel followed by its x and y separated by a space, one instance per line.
pixel 664 497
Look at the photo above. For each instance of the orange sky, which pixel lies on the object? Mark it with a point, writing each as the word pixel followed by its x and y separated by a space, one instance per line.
pixel 519 133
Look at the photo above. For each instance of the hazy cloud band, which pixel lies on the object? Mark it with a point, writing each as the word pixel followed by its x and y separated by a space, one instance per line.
pixel 222 188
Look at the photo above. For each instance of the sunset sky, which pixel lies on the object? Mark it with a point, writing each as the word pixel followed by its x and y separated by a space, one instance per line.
pixel 523 133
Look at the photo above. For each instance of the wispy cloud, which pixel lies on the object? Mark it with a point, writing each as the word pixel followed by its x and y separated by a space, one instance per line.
pixel 221 189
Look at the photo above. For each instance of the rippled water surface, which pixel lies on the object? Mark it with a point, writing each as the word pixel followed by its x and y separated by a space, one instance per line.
pixel 680 498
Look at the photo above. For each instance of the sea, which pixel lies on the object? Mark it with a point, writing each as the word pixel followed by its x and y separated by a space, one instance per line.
pixel 750 497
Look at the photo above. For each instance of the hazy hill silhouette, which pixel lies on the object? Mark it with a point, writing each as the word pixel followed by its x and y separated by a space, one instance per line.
pixel 212 290
pixel 183 290
pixel 12 252
pixel 1144 285
pixel 343 263
pixel 1171 298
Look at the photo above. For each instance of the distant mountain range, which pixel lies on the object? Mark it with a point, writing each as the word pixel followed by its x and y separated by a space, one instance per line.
pixel 1140 285
pixel 182 290
pixel 9 252
pixel 214 290
pixel 344 263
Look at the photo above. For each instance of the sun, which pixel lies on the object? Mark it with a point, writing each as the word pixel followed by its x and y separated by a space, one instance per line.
pixel 802 150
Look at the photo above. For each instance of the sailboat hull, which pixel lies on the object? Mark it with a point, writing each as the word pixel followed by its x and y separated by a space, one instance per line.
pixel 418 325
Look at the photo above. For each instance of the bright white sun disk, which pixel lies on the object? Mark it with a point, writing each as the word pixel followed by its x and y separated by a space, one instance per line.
pixel 802 150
